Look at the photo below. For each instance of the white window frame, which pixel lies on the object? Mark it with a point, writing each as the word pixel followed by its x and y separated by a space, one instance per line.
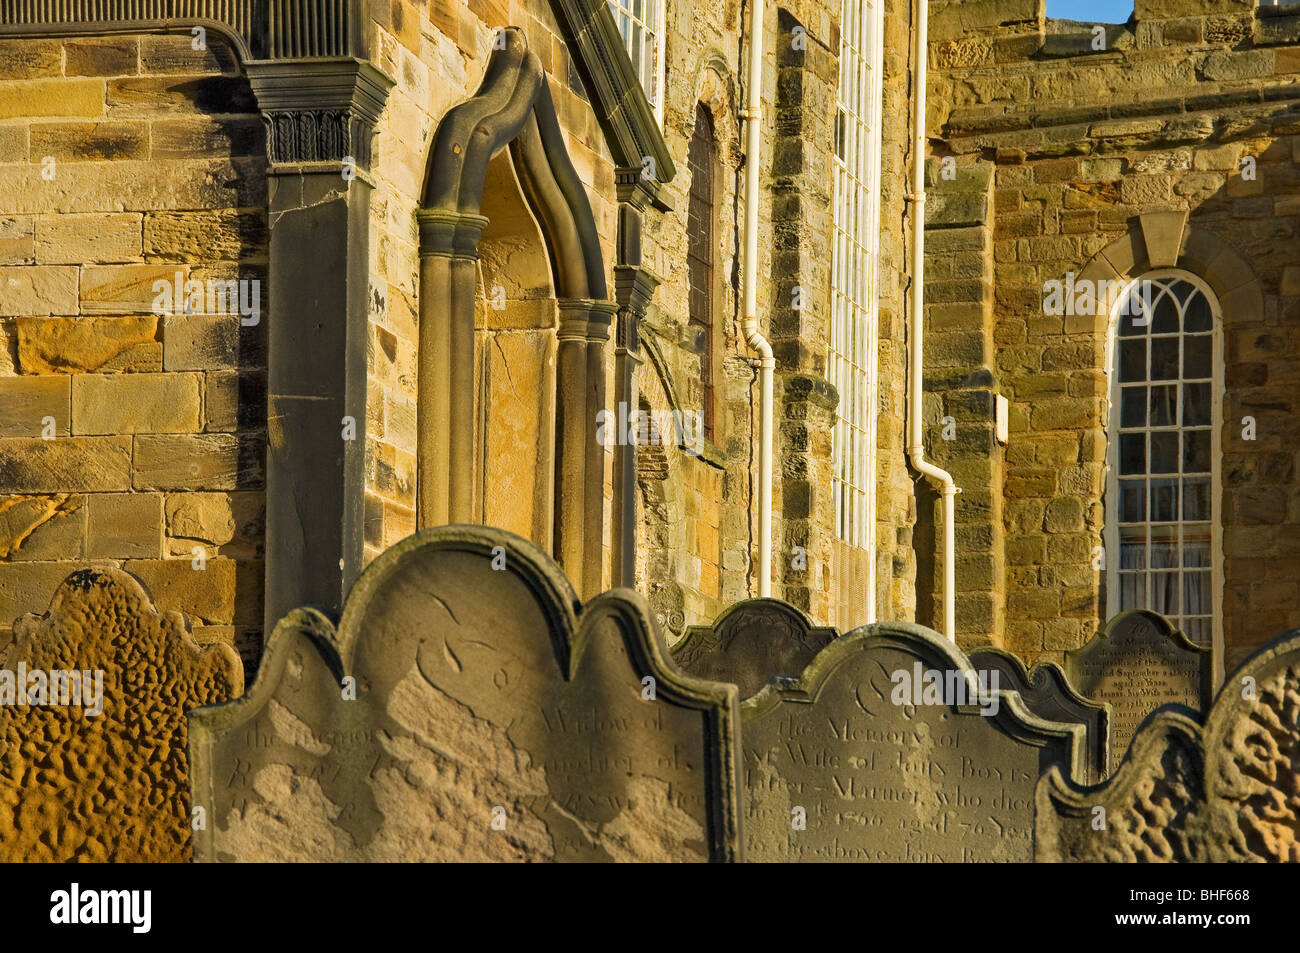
pixel 852 363
pixel 1112 426
pixel 653 29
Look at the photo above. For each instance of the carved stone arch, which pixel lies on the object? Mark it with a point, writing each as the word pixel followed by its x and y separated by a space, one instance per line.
pixel 513 108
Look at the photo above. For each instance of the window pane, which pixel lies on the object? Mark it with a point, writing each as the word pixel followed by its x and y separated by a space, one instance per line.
pixel 1164 547
pixel 1196 593
pixel 1196 498
pixel 1133 360
pixel 1197 354
pixel 1132 501
pixel 1131 595
pixel 1133 453
pixel 1166 319
pixel 1196 405
pixel 1164 451
pixel 1196 553
pixel 1164 359
pixel 1196 451
pixel 1133 406
pixel 1164 592
pixel 1164 500
pixel 1132 548
pixel 1164 405
pixel 1198 630
pixel 1198 315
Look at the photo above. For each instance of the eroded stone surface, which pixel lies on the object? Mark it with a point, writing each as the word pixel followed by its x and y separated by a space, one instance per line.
pixel 476 689
pixel 882 781
pixel 1137 663
pixel 752 643
pixel 113 786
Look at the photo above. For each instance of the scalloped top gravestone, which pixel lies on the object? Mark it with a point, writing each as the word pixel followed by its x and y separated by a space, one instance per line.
pixel 490 719
pixel 751 643
pixel 1225 792
pixel 1136 663
pixel 94 769
pixel 1047 693
pixel 887 748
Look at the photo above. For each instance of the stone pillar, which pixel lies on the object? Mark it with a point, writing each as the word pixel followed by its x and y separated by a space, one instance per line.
pixel 319 118
pixel 445 403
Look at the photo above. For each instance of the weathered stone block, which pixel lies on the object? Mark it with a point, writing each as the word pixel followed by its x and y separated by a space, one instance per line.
pixel 46 528
pixel 124 525
pixel 84 141
pixel 59 345
pixel 34 406
pixel 125 289
pixel 65 465
pixel 206 595
pixel 205 517
pixel 86 239
pixel 198 462
pixel 43 289
pixel 109 56
pixel 193 342
pixel 51 97
pixel 135 403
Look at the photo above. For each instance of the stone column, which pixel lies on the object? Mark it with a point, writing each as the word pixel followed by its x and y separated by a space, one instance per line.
pixel 319 117
pixel 445 403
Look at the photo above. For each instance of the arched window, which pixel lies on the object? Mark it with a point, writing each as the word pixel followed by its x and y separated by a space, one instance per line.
pixel 701 219
pixel 1163 523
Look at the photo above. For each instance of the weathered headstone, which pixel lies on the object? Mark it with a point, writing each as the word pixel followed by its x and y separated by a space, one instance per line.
pixel 1225 792
pixel 887 748
pixel 1138 662
pixel 95 769
pixel 751 643
pixel 1047 693
pixel 492 720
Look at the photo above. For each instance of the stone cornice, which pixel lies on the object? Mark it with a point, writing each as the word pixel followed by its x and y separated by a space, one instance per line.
pixel 259 29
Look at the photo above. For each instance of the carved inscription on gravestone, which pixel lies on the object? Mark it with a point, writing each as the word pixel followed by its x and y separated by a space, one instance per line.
pixel 1136 663
pixel 1047 693
pixel 751 643
pixel 878 768
pixel 490 722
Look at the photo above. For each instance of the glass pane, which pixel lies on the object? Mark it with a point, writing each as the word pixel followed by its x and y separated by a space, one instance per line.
pixel 1196 593
pixel 1164 405
pixel 1133 453
pixel 1130 591
pixel 1132 548
pixel 1197 353
pixel 1196 554
pixel 1164 501
pixel 1164 592
pixel 1164 359
pixel 1131 322
pixel 1198 314
pixel 1196 451
pixel 1196 498
pixel 1196 405
pixel 1164 451
pixel 1198 630
pixel 1166 319
pixel 1164 547
pixel 1132 403
pixel 1132 501
pixel 1133 360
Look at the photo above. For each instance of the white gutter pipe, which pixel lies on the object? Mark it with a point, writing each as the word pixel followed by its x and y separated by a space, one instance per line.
pixel 753 337
pixel 915 440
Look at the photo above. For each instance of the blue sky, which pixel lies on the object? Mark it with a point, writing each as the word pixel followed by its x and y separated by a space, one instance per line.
pixel 1091 11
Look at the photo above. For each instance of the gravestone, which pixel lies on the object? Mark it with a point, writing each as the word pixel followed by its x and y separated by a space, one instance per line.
pixel 493 719
pixel 99 773
pixel 1138 662
pixel 858 760
pixel 1219 790
pixel 1047 693
pixel 750 644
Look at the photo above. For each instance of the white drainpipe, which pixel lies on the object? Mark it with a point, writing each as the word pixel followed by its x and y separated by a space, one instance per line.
pixel 753 337
pixel 915 439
